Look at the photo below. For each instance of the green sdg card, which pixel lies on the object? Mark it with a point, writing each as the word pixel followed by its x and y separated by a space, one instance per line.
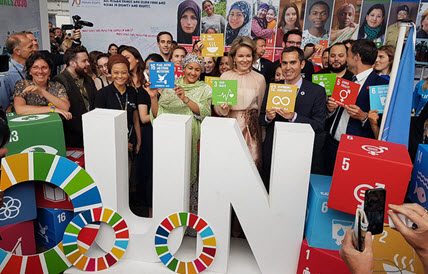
pixel 225 91
pixel 327 81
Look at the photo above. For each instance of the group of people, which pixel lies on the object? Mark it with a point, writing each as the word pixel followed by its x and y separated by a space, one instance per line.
pixel 119 79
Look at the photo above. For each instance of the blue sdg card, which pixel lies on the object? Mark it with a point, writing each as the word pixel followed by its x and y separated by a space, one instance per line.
pixel 378 97
pixel 161 75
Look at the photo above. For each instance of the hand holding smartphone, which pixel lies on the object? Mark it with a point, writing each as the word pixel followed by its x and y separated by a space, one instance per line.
pixel 360 229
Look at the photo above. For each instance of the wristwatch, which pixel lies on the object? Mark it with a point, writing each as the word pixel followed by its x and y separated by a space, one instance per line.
pixel 366 118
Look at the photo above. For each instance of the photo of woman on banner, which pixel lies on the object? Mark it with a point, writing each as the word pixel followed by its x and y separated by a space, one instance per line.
pixel 423 28
pixel 317 22
pixel 399 11
pixel 346 27
pixel 212 22
pixel 259 24
pixel 374 25
pixel 289 19
pixel 272 24
pixel 238 21
pixel 188 21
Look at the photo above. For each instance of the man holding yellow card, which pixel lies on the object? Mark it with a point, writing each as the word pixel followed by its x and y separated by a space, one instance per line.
pixel 309 104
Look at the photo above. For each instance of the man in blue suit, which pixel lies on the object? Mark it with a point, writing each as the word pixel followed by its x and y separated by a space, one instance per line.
pixel 353 119
pixel 309 108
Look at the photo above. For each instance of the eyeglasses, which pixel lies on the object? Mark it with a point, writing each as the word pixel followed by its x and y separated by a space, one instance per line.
pixel 39 68
pixel 295 43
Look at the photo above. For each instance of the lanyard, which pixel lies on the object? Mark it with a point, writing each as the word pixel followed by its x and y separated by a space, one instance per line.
pixel 17 70
pixel 120 102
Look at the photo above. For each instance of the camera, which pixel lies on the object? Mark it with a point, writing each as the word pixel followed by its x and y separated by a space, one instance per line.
pixel 77 24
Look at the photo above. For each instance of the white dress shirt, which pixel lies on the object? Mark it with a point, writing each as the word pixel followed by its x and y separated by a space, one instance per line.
pixel 344 119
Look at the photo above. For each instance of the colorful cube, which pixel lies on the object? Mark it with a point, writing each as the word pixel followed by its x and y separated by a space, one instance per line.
pixel 76 155
pixel 325 227
pixel 19 204
pixel 394 254
pixel 36 133
pixel 317 260
pixel 18 238
pixel 51 196
pixel 362 164
pixel 418 187
pixel 50 225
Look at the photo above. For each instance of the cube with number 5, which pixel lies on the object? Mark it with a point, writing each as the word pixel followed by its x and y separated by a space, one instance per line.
pixel 363 163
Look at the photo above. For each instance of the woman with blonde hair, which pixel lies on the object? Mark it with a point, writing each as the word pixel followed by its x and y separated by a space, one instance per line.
pixel 251 90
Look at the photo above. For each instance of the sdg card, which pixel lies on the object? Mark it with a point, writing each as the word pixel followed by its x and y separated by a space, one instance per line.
pixel 345 92
pixel 213 45
pixel 327 81
pixel 317 58
pixel 209 80
pixel 162 75
pixel 378 97
pixel 178 72
pixel 282 96
pixel 225 91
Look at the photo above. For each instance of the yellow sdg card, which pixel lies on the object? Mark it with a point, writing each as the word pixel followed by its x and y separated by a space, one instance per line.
pixel 282 96
pixel 213 45
pixel 209 80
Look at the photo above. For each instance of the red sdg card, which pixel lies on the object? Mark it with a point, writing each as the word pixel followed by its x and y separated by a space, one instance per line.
pixel 345 92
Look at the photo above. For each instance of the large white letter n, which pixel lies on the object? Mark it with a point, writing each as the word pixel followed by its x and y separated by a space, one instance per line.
pixel 274 223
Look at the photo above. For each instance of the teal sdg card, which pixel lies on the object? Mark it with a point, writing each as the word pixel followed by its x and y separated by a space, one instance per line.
pixel 378 97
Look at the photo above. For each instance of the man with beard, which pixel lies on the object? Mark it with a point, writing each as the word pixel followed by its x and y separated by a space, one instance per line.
pixel 80 90
pixel 337 62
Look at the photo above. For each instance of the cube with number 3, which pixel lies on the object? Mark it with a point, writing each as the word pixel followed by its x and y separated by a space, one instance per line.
pixel 363 163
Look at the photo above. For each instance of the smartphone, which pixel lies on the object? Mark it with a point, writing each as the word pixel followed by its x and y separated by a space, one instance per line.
pixel 360 229
pixel 374 207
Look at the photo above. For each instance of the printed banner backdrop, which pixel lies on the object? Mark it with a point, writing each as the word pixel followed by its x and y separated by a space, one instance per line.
pixel 374 19
pixel 16 16
pixel 400 10
pixel 125 22
pixel 346 17
pixel 187 19
pixel 318 17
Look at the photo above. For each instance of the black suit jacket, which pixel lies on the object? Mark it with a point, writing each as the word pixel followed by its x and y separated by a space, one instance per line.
pixel 355 127
pixel 310 108
pixel 266 69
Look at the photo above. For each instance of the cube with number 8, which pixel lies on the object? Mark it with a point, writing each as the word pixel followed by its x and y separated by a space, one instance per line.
pixel 363 163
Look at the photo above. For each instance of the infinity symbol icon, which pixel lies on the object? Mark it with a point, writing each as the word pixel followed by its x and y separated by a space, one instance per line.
pixel 280 100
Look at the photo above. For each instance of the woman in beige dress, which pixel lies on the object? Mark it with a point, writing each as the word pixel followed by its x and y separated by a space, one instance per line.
pixel 251 90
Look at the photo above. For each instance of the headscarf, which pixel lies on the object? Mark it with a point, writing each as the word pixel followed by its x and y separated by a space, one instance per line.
pixel 192 57
pixel 245 8
pixel 182 37
pixel 263 6
pixel 263 23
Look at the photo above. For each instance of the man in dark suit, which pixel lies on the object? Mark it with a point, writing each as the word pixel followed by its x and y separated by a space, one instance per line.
pixel 262 65
pixel 353 119
pixel 309 107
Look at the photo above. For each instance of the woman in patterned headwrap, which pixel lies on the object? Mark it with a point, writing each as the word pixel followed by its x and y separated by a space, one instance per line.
pixel 189 19
pixel 259 26
pixel 346 26
pixel 238 21
pixel 374 25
